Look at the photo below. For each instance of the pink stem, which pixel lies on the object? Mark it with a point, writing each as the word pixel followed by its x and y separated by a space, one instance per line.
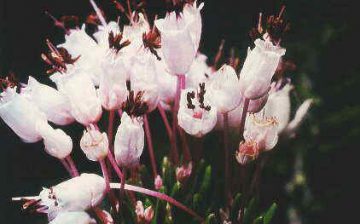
pixel 159 195
pixel 72 166
pixel 227 157
pixel 63 161
pixel 150 145
pixel 111 127
pixel 185 146
pixel 243 116
pixel 106 177
pixel 165 120
pixel 115 166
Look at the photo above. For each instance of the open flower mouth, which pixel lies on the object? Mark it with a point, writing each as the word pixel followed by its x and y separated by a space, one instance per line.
pixel 114 41
pixel 265 122
pixel 9 82
pixel 134 104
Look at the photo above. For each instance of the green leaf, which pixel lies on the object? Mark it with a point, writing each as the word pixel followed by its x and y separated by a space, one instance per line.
pixel 258 220
pixel 211 219
pixel 205 185
pixel 249 212
pixel 269 214
pixel 235 207
pixel 197 202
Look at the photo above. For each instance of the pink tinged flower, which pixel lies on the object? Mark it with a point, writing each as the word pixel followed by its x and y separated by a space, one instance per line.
pixel 192 15
pixel 79 217
pixel 143 79
pixel 199 71
pixel 76 194
pixel 196 116
pixel 129 141
pixel 178 44
pixel 102 35
pixel 94 144
pixel 134 33
pixel 112 88
pixel 257 105
pixel 299 118
pixel 223 89
pixel 143 215
pixel 261 130
pixel 158 183
pixel 183 172
pixel 78 43
pixel 50 101
pixel 81 93
pixel 247 152
pixel 21 115
pixel 167 84
pixel 259 67
pixel 279 106
pixel 57 143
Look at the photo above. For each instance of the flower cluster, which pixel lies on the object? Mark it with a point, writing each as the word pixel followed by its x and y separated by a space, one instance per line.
pixel 130 71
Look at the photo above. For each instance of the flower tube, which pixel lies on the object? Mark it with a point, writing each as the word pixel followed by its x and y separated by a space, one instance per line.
pixel 259 67
pixel 94 144
pixel 21 115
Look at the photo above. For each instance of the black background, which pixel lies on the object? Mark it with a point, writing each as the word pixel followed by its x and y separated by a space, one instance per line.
pixel 327 29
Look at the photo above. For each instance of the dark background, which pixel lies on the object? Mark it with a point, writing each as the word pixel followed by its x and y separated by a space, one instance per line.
pixel 323 42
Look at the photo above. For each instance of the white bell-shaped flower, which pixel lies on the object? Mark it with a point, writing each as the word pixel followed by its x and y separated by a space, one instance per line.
pixel 112 88
pixel 50 101
pixel 76 194
pixel 143 79
pixel 259 67
pixel 94 144
pixel 183 30
pixel 79 43
pixel 129 141
pixel 79 217
pixel 102 34
pixel 223 89
pixel 261 130
pixel 279 106
pixel 199 72
pixel 81 93
pixel 57 143
pixel 21 115
pixel 196 116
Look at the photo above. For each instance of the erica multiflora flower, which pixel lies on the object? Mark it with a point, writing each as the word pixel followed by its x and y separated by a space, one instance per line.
pixel 223 89
pixel 76 194
pixel 50 101
pixel 260 135
pixel 196 116
pixel 73 217
pixel 21 115
pixel 112 88
pixel 81 93
pixel 79 43
pixel 259 67
pixel 143 215
pixel 129 141
pixel 57 143
pixel 94 144
pixel 279 106
pixel 184 30
pixel 183 172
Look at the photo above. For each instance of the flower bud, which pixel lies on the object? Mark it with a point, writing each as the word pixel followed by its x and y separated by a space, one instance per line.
pixel 143 215
pixel 158 183
pixel 79 217
pixel 129 141
pixel 57 142
pixel 247 152
pixel 21 115
pixel 183 172
pixel 259 67
pixel 50 101
pixel 196 116
pixel 94 144
pixel 76 194
pixel 78 88
pixel 223 89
